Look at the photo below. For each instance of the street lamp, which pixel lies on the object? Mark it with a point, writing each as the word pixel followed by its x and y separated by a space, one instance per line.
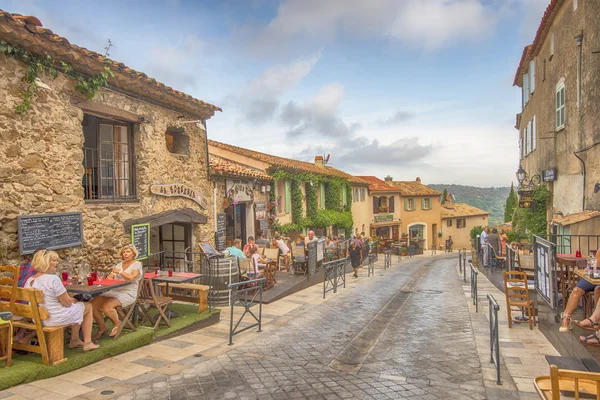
pixel 526 182
pixel 521 175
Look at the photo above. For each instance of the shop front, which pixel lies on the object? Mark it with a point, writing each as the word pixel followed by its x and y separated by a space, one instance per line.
pixel 385 229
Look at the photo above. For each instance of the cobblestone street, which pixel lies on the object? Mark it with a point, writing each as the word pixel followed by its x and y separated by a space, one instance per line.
pixel 404 333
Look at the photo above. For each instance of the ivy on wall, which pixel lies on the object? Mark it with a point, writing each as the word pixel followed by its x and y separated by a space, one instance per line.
pixel 532 221
pixel 333 215
pixel 38 65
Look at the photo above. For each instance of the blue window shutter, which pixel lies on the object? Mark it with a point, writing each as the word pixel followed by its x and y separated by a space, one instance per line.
pixel 406 205
pixel 532 76
pixel 344 198
pixel 288 196
pixel 322 186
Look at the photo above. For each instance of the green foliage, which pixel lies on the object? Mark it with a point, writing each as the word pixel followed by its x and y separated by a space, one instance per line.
pixel 445 195
pixel 296 201
pixel 333 194
pixel 39 65
pixel 312 204
pixel 476 231
pixel 325 218
pixel 511 203
pixel 490 199
pixel 515 236
pixel 532 221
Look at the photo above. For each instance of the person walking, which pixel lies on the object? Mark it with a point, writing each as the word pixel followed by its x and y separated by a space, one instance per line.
pixel 355 254
pixel 484 244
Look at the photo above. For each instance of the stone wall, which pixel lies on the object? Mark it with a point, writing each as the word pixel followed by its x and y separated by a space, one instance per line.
pixel 41 166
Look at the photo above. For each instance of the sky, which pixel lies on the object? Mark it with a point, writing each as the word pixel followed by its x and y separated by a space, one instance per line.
pixel 404 88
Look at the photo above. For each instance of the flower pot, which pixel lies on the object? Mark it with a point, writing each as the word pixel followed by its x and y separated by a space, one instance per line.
pixel 226 203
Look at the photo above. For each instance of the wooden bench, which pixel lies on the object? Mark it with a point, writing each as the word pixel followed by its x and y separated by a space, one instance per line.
pixel 202 293
pixel 579 382
pixel 51 338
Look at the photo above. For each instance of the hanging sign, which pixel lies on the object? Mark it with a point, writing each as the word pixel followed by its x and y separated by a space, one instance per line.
pixel 549 175
pixel 180 190
pixel 384 218
pixel 239 190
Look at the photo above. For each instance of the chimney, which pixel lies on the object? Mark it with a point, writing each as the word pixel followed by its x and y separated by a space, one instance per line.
pixel 388 179
pixel 319 161
pixel 418 179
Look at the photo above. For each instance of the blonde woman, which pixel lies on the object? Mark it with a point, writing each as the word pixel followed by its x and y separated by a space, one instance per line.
pixel 130 270
pixel 62 308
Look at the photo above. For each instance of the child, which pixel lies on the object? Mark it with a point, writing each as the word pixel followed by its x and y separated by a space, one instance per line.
pixel 257 260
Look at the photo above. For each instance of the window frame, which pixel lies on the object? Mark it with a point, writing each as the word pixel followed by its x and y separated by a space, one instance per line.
pixel 461 223
pixel 449 223
pixel 562 108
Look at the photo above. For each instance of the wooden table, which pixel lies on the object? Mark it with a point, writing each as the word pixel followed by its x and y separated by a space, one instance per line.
pixel 97 288
pixel 581 273
pixel 567 264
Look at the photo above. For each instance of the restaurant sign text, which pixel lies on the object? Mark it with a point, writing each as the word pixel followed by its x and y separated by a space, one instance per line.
pixel 180 190
pixel 384 218
pixel 239 190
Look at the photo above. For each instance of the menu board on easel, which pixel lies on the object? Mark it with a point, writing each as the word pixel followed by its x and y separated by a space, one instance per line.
pixel 312 258
pixel 209 250
pixel 140 238
pixel 220 234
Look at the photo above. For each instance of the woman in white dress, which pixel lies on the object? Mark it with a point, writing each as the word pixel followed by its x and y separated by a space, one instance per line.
pixel 62 308
pixel 130 270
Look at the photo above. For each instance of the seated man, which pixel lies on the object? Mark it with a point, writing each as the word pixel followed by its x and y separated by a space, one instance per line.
pixel 260 239
pixel 235 250
pixel 582 288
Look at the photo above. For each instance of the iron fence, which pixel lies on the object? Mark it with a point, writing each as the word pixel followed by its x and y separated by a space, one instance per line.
pixel 334 273
pixel 240 295
pixel 494 338
pixel 569 244
pixel 474 274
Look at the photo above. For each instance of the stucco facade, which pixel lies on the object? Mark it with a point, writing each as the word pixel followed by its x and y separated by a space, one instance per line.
pixel 562 56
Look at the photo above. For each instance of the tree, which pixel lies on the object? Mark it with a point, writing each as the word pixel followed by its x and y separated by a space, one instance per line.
pixel 511 203
pixel 444 196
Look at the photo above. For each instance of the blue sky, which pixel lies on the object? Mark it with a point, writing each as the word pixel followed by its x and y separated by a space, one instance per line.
pixel 404 88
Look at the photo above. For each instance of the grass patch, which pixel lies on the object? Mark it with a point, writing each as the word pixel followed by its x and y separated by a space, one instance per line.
pixel 29 368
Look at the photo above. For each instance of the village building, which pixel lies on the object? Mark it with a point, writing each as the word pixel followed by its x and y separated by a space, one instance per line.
pixel 134 153
pixel 240 200
pixel 400 211
pixel 457 222
pixel 302 195
pixel 558 125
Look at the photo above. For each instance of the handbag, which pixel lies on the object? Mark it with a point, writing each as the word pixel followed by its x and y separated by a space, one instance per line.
pixel 84 297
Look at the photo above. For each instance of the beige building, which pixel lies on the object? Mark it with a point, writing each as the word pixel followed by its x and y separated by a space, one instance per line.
pixel 134 153
pixel 458 220
pixel 558 125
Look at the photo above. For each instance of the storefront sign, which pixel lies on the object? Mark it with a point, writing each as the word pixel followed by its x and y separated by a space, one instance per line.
pixel 526 202
pixel 239 190
pixel 180 190
pixel 549 175
pixel 220 232
pixel 384 218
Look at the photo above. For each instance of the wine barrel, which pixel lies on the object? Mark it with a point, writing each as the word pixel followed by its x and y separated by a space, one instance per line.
pixel 224 271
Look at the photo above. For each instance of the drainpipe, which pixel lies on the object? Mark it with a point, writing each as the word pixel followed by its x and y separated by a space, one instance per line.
pixel 584 171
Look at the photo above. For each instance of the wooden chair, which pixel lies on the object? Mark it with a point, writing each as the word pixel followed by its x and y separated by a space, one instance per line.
pixel 273 254
pixel 579 382
pixel 126 313
pixel 299 259
pixel 148 299
pixel 516 291
pixel 51 338
pixel 9 279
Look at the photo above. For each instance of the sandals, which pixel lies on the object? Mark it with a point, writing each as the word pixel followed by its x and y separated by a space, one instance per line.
pixel 592 327
pixel 113 332
pixel 76 345
pixel 586 340
pixel 99 334
pixel 565 329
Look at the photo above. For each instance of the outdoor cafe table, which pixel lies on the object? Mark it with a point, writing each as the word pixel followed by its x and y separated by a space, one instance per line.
pixel 581 273
pixel 178 277
pixel 567 265
pixel 97 288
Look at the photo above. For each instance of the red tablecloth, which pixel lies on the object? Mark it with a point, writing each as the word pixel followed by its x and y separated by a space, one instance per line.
pixel 150 275
pixel 565 255
pixel 104 282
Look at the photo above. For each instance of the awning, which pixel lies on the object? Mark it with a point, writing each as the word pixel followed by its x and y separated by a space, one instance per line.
pixel 386 223
pixel 185 215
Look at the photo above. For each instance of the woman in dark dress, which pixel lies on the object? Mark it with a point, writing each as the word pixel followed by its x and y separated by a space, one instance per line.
pixel 355 254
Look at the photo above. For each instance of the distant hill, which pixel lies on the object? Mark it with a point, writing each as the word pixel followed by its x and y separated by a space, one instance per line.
pixel 490 199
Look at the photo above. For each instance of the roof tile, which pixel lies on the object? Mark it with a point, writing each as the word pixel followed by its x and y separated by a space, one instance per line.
pixel 415 188
pixel 377 185
pixel 461 210
pixel 224 167
pixel 575 218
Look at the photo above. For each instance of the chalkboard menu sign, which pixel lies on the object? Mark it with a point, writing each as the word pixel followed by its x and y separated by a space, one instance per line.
pixel 264 224
pixel 220 233
pixel 140 237
pixel 50 231
pixel 312 258
pixel 209 250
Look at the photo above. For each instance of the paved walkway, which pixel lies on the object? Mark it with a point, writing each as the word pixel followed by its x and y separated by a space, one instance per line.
pixel 405 332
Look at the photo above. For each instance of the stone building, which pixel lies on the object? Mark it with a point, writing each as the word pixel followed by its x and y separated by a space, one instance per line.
pixel 458 220
pixel 558 126
pixel 102 157
pixel 240 200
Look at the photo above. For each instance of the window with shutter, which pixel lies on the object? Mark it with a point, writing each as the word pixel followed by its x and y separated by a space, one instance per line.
pixel 344 198
pixel 322 195
pixel 423 207
pixel 288 196
pixel 560 105
pixel 449 223
pixel 531 76
pixel 375 204
pixel 391 204
pixel 525 89
pixel 529 146
pixel 406 205
pixel 534 140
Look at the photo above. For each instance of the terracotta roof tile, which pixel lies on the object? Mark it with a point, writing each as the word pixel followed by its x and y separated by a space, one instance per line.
pixel 27 32
pixel 288 163
pixel 461 210
pixel 377 185
pixel 224 167
pixel 525 57
pixel 575 218
pixel 414 188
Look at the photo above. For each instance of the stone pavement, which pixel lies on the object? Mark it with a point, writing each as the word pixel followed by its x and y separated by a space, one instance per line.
pixel 404 333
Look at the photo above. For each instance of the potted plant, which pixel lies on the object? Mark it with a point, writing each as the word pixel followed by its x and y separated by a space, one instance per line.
pixel 404 251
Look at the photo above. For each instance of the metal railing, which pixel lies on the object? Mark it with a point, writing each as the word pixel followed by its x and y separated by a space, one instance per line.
pixel 464 255
pixel 108 175
pixel 371 265
pixel 511 258
pixel 460 266
pixel 474 274
pixel 240 295
pixel 569 244
pixel 494 338
pixel 334 273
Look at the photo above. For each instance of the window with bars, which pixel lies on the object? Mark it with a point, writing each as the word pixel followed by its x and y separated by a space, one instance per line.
pixel 108 160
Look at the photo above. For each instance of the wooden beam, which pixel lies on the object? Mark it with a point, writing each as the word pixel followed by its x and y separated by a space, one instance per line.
pixel 102 110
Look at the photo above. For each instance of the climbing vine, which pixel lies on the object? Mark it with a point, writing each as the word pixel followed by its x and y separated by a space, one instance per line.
pixel 312 205
pixel 296 193
pixel 532 221
pixel 37 65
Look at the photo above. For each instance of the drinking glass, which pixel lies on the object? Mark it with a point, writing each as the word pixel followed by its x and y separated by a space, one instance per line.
pixel 90 280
